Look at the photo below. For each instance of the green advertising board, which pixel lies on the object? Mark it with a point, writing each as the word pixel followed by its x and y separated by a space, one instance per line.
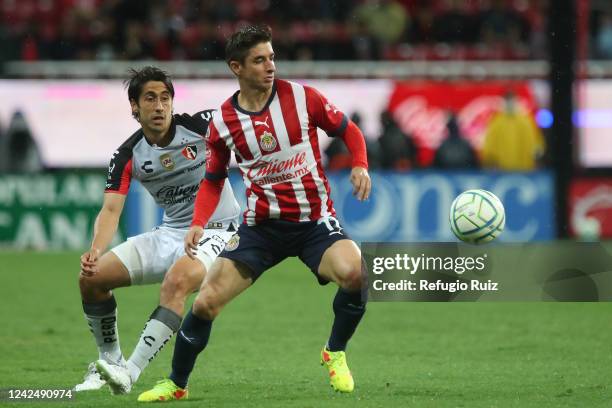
pixel 54 210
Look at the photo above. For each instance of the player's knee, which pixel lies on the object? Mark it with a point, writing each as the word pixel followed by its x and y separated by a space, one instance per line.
pixel 176 285
pixel 349 276
pixel 87 284
pixel 91 286
pixel 206 305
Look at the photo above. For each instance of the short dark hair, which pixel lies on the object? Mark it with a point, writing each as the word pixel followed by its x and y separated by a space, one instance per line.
pixel 139 77
pixel 244 39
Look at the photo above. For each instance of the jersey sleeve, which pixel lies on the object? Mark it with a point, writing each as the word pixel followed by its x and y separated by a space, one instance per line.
pixel 355 143
pixel 119 171
pixel 324 114
pixel 198 122
pixel 217 155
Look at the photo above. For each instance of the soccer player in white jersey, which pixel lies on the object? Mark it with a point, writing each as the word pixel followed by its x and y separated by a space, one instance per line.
pixel 167 156
pixel 271 126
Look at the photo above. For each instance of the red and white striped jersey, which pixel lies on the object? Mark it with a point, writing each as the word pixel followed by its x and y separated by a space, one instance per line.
pixel 277 151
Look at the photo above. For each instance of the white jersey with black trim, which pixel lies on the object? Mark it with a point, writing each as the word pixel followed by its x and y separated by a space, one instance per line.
pixel 171 174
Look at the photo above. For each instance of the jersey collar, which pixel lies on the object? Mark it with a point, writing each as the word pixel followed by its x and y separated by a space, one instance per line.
pixel 246 112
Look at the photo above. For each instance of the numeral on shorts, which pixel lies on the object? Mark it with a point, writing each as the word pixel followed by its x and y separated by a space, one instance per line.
pixel 332 225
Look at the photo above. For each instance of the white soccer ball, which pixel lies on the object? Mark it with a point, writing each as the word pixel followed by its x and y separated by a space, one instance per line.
pixel 477 216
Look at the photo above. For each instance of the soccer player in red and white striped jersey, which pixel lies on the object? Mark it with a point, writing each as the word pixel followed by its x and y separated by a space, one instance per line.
pixel 278 153
pixel 271 126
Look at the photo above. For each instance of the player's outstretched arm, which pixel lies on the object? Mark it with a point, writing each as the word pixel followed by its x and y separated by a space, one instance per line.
pixel 104 231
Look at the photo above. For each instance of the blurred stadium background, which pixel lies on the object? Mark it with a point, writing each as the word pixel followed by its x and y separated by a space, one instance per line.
pixel 429 82
pixel 508 95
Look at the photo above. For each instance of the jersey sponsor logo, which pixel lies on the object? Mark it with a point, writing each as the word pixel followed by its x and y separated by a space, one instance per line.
pixel 278 171
pixel 165 176
pixel 177 194
pixel 267 142
pixel 190 152
pixel 145 167
pixel 233 243
pixel 166 161
pixel 260 123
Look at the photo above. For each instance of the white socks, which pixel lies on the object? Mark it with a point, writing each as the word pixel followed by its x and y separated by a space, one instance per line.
pixel 102 320
pixel 160 328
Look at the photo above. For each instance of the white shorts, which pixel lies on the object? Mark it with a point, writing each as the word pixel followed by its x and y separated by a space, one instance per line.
pixel 149 256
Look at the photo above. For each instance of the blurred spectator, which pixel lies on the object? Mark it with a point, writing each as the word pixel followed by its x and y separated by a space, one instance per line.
pixel 455 152
pixel 504 32
pixel 421 29
pixel 453 25
pixel 385 19
pixel 603 42
pixel 397 149
pixel 535 16
pixel 22 152
pixel 512 140
pixel 365 44
pixel 305 29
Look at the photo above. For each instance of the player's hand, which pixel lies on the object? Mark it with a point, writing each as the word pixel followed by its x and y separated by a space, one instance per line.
pixel 191 240
pixel 89 262
pixel 362 185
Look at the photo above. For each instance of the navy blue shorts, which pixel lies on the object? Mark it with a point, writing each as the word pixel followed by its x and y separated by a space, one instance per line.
pixel 262 246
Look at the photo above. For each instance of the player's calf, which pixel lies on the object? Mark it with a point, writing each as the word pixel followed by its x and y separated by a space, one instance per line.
pixel 225 281
pixel 184 278
pixel 99 305
pixel 158 331
pixel 207 304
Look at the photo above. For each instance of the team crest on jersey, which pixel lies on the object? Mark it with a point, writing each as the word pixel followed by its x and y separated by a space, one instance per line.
pixel 232 243
pixel 166 161
pixel 190 152
pixel 267 141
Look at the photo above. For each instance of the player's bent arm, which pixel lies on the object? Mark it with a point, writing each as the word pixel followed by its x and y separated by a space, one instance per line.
pixel 207 199
pixel 206 202
pixel 107 221
pixel 355 143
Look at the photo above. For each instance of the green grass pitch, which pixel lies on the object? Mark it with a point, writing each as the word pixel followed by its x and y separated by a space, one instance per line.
pixel 264 349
